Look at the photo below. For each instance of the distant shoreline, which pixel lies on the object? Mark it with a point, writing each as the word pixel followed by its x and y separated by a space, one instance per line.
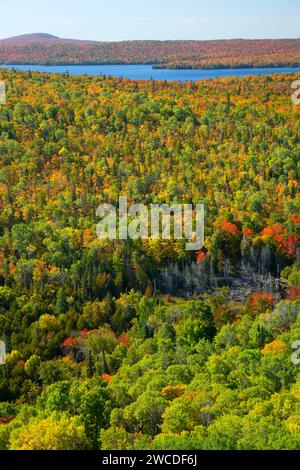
pixel 153 66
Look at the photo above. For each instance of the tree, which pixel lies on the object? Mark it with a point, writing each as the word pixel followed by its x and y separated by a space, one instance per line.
pixel 61 302
pixel 146 412
pixel 56 432
pixel 115 438
pixel 90 400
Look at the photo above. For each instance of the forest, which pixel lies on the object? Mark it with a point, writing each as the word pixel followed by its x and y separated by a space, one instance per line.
pixel 101 352
pixel 46 49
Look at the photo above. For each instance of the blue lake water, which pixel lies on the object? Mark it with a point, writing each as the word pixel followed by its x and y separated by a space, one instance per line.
pixel 146 72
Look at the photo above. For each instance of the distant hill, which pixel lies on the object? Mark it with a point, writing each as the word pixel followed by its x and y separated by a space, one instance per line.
pixel 43 48
pixel 29 38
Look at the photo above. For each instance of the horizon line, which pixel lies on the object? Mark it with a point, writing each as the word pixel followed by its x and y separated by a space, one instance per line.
pixel 55 37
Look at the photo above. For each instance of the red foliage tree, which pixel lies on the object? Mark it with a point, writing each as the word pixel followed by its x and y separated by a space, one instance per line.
pixel 286 244
pixel 230 228
pixel 293 293
pixel 123 339
pixel 107 377
pixel 259 302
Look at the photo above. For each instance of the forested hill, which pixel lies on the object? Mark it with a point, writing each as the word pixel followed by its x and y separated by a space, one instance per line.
pixel 97 355
pixel 44 49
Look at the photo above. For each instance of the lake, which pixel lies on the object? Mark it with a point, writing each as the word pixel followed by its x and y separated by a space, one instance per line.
pixel 146 72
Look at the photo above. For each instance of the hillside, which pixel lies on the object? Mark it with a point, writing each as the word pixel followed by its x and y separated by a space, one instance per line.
pixel 29 39
pixel 98 356
pixel 43 49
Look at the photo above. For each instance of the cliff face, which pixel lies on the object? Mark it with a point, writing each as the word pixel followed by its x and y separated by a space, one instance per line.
pixel 258 269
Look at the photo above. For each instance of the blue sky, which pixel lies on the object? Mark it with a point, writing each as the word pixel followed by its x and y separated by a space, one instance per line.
pixel 114 20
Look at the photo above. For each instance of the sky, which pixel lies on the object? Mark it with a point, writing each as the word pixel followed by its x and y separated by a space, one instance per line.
pixel 115 20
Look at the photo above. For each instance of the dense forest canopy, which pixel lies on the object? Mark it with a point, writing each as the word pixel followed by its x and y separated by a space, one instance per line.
pixel 48 49
pixel 98 355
